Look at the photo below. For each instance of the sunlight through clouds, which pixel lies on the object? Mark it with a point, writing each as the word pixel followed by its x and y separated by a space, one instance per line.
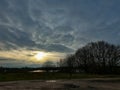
pixel 55 27
pixel 33 57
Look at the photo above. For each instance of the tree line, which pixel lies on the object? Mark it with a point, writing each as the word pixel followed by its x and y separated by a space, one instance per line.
pixel 95 57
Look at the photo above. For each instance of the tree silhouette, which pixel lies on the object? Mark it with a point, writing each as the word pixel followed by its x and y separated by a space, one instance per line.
pixel 95 57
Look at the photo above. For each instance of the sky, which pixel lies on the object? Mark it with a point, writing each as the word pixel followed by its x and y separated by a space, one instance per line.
pixel 35 31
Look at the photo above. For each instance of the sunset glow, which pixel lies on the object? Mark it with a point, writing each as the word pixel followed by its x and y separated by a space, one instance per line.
pixel 40 56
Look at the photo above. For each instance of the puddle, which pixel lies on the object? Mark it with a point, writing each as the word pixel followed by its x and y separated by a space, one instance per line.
pixel 51 81
pixel 37 71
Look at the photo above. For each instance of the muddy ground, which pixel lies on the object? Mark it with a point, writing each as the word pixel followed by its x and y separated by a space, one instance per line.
pixel 84 84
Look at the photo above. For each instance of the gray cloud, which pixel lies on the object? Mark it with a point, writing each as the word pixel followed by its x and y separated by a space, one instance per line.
pixel 57 25
pixel 58 48
pixel 63 21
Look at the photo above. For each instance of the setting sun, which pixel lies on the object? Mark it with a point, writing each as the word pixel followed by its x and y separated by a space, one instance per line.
pixel 40 55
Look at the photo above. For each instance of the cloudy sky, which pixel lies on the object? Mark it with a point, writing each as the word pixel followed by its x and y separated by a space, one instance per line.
pixel 53 27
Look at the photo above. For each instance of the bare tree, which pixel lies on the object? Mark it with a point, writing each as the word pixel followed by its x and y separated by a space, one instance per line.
pixel 95 57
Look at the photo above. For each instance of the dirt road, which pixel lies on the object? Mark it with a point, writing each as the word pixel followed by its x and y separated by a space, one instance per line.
pixel 86 84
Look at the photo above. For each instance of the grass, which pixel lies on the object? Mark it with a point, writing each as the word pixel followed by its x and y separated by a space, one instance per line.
pixel 48 76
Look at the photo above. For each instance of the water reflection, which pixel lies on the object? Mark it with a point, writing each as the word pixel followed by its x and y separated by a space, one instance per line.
pixel 37 71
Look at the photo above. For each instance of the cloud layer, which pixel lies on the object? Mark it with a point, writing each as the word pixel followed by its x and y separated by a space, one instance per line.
pixel 57 25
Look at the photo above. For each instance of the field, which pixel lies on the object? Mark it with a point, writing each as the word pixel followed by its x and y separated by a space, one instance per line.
pixel 49 76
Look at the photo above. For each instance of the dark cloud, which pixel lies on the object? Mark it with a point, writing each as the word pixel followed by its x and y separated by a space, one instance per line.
pixel 57 25
pixel 58 48
pixel 60 21
pixel 13 38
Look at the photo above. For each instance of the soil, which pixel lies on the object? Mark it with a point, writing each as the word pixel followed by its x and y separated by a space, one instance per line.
pixel 83 84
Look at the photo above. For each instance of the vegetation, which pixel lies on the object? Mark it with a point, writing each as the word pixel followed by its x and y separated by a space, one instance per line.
pixel 49 76
pixel 96 57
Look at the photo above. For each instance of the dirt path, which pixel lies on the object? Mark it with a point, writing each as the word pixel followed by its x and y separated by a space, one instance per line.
pixel 86 84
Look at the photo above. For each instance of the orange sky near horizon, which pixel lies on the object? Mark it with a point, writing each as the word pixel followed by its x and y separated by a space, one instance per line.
pixel 31 56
